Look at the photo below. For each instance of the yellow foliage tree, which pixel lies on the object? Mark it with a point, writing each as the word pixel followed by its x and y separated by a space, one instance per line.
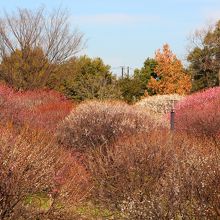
pixel 170 74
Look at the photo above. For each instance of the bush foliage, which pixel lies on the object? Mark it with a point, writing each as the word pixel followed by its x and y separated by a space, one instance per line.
pixel 132 166
pixel 158 176
pixel 200 113
pixel 42 109
pixel 159 104
pixel 32 164
pixel 104 159
pixel 92 124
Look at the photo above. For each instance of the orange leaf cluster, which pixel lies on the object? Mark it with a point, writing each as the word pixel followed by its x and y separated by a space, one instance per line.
pixel 171 76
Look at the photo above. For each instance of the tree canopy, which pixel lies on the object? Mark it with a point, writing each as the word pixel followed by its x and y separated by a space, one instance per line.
pixel 32 42
pixel 87 78
pixel 134 87
pixel 204 58
pixel 170 76
pixel 26 69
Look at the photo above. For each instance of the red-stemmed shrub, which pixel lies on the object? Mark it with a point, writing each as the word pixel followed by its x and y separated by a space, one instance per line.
pixel 42 109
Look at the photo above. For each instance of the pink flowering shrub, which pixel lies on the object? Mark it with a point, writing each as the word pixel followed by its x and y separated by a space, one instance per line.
pixel 200 113
pixel 38 108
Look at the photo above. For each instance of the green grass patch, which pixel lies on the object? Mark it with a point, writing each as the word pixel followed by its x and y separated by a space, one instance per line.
pixel 39 200
pixel 91 211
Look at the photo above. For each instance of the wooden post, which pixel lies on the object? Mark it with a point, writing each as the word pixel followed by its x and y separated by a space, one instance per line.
pixel 172 115
pixel 172 120
pixel 219 77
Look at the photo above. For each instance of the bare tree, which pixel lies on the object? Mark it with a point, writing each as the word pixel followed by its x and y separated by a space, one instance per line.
pixel 27 30
pixel 34 29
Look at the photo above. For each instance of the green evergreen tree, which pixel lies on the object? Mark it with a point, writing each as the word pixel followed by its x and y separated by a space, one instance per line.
pixel 135 87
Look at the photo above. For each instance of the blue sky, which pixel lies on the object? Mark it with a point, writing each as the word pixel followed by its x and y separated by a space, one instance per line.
pixel 126 32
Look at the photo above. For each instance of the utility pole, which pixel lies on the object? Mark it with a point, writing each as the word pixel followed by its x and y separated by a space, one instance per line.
pixel 122 72
pixel 125 71
pixel 128 69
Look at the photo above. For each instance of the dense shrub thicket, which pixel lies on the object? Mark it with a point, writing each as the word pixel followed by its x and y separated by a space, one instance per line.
pixel 133 166
pixel 199 113
pixel 92 124
pixel 38 108
pixel 158 176
pixel 34 168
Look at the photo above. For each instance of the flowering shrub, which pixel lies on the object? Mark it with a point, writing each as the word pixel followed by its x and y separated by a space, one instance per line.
pixel 38 109
pixel 199 113
pixel 31 164
pixel 92 124
pixel 159 103
pixel 158 176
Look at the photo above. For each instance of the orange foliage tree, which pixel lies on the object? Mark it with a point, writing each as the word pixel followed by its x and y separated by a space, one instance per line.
pixel 170 74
